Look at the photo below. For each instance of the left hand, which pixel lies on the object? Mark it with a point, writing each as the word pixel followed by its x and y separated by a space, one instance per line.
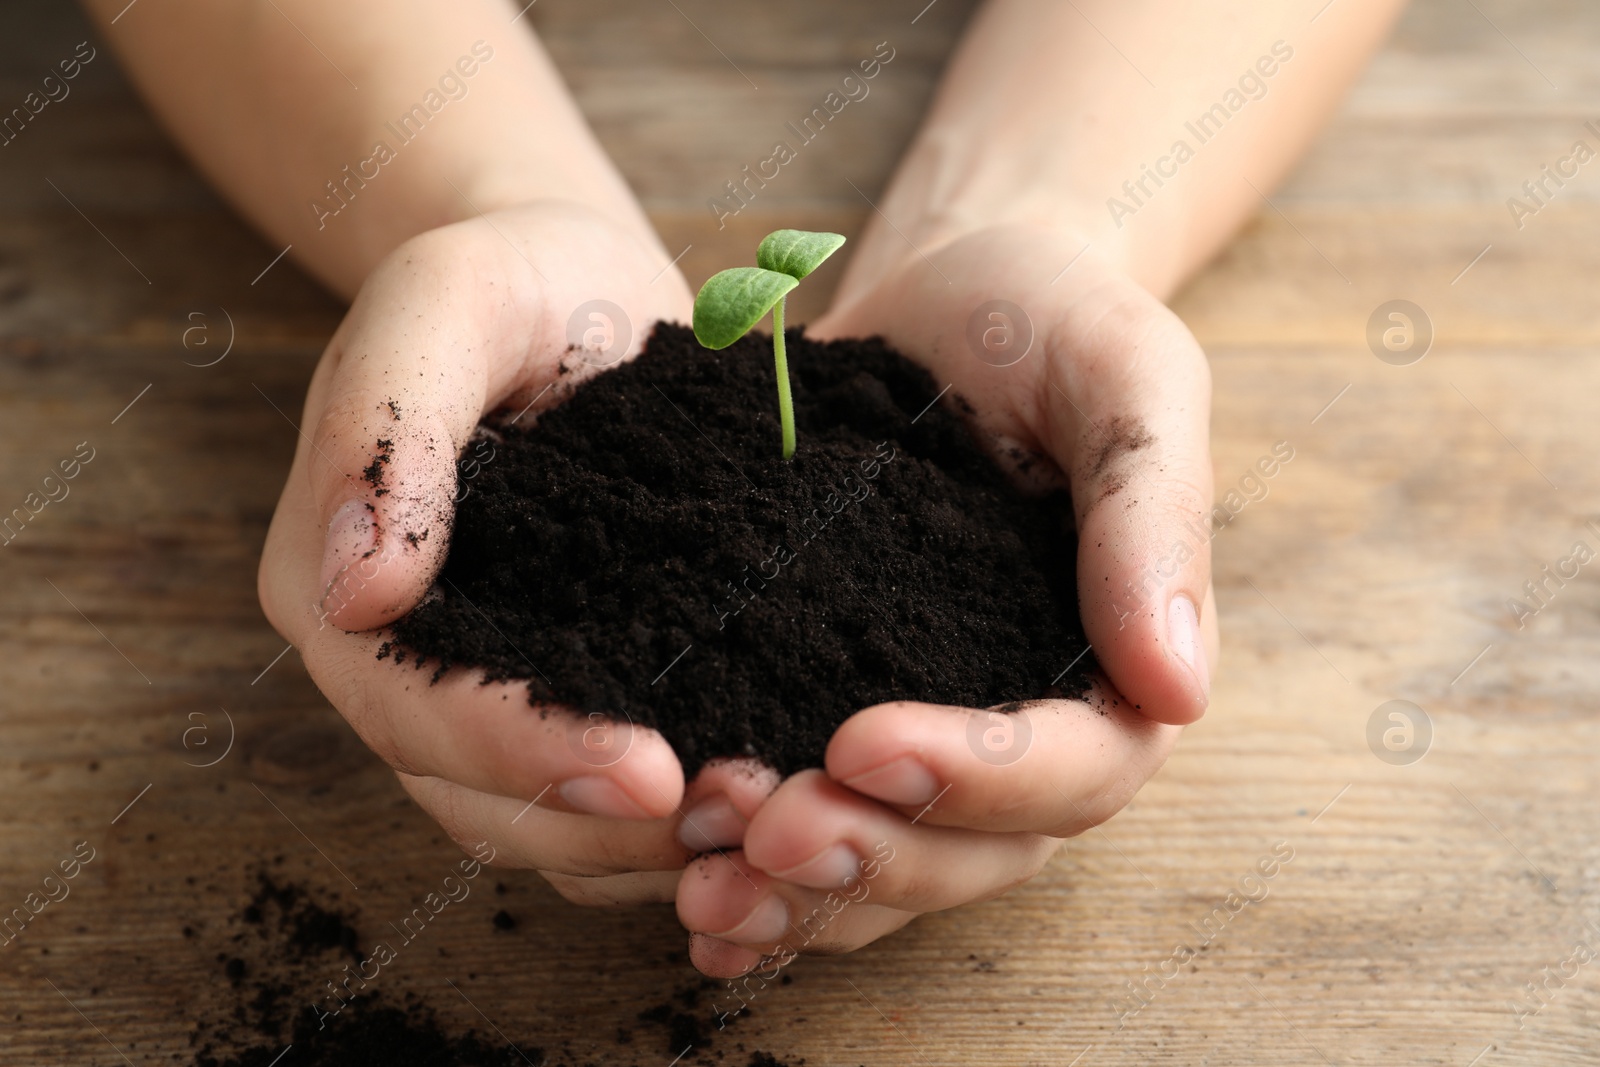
pixel 910 817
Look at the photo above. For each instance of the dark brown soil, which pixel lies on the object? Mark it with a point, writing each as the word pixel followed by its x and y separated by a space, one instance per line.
pixel 288 939
pixel 644 550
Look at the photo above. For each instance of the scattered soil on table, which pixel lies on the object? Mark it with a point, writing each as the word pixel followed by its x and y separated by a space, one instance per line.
pixel 644 550
pixel 284 945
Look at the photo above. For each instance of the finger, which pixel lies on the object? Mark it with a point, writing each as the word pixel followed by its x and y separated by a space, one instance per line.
pixel 487 737
pixel 617 890
pixel 1053 767
pixel 525 835
pixel 737 914
pixel 530 835
pixel 1129 401
pixel 716 958
pixel 720 802
pixel 411 370
pixel 445 329
pixel 816 834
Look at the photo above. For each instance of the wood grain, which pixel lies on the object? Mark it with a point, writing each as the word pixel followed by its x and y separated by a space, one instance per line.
pixel 1420 899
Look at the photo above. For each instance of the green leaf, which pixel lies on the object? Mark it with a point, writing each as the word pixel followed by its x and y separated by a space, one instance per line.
pixel 796 252
pixel 732 301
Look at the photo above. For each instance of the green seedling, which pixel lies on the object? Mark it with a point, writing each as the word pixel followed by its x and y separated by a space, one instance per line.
pixel 734 300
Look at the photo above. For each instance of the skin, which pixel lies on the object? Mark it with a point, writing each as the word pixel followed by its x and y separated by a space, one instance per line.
pixel 466 256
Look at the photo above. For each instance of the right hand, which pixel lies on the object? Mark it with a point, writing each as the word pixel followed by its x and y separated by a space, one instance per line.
pixel 1109 364
pixel 455 323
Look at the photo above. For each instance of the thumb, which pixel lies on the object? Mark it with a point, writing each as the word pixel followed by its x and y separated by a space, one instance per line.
pixel 405 380
pixel 1130 405
pixel 453 323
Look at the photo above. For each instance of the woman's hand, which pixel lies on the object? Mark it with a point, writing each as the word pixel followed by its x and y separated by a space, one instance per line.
pixel 922 807
pixel 457 322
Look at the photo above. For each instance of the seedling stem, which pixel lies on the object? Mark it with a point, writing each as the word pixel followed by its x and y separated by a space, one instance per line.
pixel 785 397
pixel 734 300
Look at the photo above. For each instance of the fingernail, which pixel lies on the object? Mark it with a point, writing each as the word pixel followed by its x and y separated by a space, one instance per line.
pixel 711 824
pixel 826 870
pixel 1183 635
pixel 352 535
pixel 600 796
pixel 767 922
pixel 906 780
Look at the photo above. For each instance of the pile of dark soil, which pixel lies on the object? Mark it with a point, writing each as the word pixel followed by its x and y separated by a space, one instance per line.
pixel 284 944
pixel 644 550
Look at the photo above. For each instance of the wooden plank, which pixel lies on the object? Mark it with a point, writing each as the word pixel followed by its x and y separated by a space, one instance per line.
pixel 1420 898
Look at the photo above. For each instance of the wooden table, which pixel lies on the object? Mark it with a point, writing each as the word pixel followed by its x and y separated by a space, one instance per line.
pixel 1422 896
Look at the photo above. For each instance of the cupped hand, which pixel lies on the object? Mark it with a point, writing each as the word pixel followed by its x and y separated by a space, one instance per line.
pixel 922 807
pixel 461 321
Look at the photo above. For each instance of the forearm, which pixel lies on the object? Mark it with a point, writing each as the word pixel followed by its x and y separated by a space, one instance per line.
pixel 1147 126
pixel 345 128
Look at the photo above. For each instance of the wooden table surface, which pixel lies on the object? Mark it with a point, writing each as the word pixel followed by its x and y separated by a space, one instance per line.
pixel 1423 895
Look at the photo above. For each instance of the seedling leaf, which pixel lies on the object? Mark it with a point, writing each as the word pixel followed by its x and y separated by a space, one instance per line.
pixel 734 300
pixel 796 252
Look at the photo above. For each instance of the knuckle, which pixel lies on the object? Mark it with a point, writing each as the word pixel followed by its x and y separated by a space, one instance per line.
pixel 919 882
pixel 341 416
pixel 602 852
pixel 1024 870
pixel 380 737
pixel 583 859
pixel 1031 863
pixel 609 854
pixel 450 811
